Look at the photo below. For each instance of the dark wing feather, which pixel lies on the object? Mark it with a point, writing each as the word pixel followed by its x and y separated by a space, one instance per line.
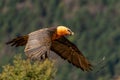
pixel 70 52
pixel 19 41
pixel 38 44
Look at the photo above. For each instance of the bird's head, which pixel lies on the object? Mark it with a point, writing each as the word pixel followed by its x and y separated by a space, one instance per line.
pixel 64 31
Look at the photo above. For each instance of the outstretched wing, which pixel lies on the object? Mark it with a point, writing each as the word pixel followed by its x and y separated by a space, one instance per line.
pixel 18 41
pixel 70 52
pixel 38 44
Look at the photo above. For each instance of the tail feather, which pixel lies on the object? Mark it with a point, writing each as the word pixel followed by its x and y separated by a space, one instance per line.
pixel 19 41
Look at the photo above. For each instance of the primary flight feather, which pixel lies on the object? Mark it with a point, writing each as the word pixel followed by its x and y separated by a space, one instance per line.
pixel 38 45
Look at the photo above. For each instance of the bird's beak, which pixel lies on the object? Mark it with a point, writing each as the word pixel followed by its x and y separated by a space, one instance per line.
pixel 72 33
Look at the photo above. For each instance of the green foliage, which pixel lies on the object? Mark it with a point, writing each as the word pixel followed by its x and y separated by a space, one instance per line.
pixel 27 70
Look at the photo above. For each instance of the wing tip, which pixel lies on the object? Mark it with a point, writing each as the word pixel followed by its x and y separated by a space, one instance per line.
pixel 88 68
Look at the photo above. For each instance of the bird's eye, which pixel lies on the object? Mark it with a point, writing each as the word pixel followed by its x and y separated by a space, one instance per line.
pixel 69 30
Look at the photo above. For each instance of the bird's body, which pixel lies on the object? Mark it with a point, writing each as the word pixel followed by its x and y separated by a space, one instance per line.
pixel 38 45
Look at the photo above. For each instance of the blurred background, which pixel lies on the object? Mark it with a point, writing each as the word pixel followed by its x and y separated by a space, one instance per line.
pixel 96 24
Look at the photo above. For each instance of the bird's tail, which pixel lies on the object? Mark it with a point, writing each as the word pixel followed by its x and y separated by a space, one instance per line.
pixel 19 41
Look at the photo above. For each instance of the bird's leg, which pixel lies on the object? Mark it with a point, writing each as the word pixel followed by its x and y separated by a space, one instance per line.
pixel 44 56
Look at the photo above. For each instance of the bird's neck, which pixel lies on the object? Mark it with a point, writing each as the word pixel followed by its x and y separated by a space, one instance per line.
pixel 56 36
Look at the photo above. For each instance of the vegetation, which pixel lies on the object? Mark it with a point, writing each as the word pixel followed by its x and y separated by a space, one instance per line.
pixel 95 23
pixel 25 70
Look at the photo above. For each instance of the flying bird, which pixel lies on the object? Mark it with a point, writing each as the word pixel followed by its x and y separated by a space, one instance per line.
pixel 38 45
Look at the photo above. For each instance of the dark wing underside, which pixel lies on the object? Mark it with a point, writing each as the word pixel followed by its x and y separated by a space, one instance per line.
pixel 70 52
